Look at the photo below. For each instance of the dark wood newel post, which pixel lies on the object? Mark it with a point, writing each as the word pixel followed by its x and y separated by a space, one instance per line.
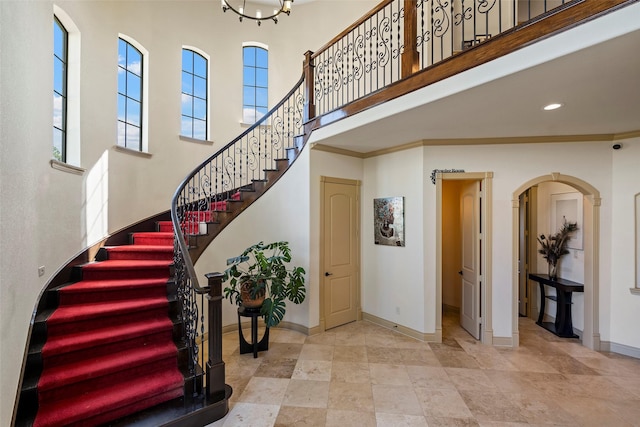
pixel 309 100
pixel 410 57
pixel 215 365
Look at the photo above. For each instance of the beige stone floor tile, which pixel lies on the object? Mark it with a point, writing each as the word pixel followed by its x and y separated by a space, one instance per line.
pixel 286 336
pixel 396 400
pixel 316 352
pixel 350 354
pixel 278 350
pixel 540 410
pixel 349 338
pixel 442 403
pixel 325 338
pixel 342 418
pixel 431 377
pixel 382 354
pixel 470 379
pixel 350 372
pixel 317 370
pixel 291 416
pixel 389 374
pixel 400 420
pixel 362 374
pixel 451 422
pixel 456 359
pixel 593 412
pixel 528 362
pixel 251 415
pixel 268 391
pixel 351 397
pixel 307 393
pixel 492 406
pixel 418 356
pixel 276 368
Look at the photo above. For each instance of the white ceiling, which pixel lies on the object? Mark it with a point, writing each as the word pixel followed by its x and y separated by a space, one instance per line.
pixel 599 86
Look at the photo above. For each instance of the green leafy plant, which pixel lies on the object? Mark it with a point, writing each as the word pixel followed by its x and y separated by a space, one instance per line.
pixel 264 268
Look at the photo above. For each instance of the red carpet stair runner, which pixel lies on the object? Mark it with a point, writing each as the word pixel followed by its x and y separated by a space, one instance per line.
pixel 110 348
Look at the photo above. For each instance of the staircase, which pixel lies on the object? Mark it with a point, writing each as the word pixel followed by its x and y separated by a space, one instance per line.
pixel 109 347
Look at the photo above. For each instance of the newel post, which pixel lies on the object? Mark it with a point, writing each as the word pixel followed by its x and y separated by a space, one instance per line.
pixel 309 100
pixel 410 57
pixel 215 365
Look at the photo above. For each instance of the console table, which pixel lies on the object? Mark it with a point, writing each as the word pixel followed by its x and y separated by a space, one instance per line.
pixel 563 326
pixel 255 345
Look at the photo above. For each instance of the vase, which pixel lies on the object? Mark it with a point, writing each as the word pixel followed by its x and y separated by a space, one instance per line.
pixel 249 298
pixel 553 271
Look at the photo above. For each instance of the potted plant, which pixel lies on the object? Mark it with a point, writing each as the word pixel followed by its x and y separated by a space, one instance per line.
pixel 555 246
pixel 262 272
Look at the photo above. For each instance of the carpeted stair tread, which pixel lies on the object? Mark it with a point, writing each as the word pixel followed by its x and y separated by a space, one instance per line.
pixel 90 291
pixel 149 252
pixel 86 339
pixel 65 374
pixel 81 312
pixel 117 285
pixel 122 269
pixel 152 238
pixel 165 226
pixel 105 400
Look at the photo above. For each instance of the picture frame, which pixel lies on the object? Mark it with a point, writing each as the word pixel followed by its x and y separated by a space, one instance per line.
pixel 388 221
pixel 568 206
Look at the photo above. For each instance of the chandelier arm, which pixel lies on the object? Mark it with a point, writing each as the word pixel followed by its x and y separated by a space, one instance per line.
pixel 285 7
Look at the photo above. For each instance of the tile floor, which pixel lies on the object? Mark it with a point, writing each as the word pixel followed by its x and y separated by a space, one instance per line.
pixel 362 375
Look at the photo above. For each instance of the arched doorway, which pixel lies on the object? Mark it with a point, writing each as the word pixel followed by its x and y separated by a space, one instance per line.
pixel 591 236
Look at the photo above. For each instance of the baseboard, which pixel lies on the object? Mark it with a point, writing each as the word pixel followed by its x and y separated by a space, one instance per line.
pixel 427 337
pixel 282 325
pixel 503 341
pixel 613 347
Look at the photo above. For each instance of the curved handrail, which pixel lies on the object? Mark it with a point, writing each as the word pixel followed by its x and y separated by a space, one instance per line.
pixel 180 235
pixel 203 195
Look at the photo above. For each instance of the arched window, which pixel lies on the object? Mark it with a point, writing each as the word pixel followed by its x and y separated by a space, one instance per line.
pixel 60 67
pixel 194 95
pixel 130 92
pixel 255 83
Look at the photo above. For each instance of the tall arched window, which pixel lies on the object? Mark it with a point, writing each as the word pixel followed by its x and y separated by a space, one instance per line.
pixel 255 83
pixel 130 91
pixel 194 95
pixel 60 61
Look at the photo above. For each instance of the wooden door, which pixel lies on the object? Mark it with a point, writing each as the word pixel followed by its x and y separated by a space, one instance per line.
pixel 471 244
pixel 340 266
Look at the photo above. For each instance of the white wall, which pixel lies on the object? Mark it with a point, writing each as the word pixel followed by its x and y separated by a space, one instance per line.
pixel 47 215
pixel 392 276
pixel 625 308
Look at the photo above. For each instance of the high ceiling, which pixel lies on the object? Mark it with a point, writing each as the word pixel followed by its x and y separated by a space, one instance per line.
pixel 599 86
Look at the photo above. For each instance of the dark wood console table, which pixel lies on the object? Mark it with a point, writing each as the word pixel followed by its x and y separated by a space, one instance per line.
pixel 255 346
pixel 563 326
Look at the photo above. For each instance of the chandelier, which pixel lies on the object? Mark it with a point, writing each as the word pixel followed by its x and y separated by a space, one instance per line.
pixel 282 6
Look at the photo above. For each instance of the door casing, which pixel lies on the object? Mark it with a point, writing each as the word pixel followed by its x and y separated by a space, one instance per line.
pixel 485 211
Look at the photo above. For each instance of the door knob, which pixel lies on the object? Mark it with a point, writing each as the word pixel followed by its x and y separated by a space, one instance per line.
pixel 328 274
pixel 460 272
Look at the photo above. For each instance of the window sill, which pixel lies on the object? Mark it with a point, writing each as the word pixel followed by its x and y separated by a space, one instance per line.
pixel 133 152
pixel 65 167
pixel 195 140
pixel 635 291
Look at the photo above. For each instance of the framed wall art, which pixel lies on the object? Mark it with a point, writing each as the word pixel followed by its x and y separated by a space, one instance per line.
pixel 388 221
pixel 567 206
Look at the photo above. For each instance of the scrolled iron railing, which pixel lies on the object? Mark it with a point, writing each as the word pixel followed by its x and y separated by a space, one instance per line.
pixel 203 195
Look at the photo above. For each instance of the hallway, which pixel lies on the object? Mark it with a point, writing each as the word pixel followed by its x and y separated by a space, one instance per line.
pixel 362 375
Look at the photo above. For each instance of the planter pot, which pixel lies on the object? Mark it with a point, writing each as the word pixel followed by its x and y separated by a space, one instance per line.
pixel 246 295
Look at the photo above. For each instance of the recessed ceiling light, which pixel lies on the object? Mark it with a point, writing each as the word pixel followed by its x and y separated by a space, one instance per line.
pixel 550 107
